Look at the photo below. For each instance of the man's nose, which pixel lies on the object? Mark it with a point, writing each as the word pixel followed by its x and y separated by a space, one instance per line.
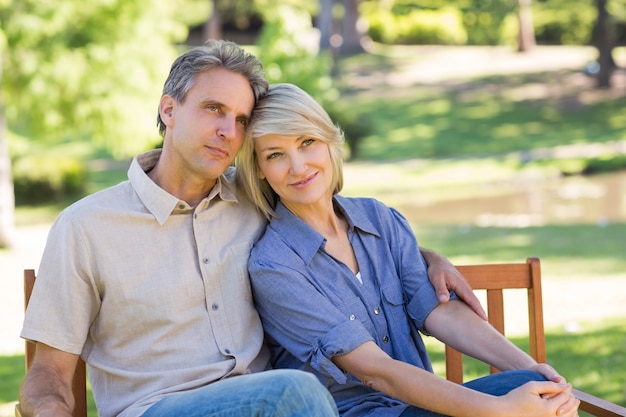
pixel 227 127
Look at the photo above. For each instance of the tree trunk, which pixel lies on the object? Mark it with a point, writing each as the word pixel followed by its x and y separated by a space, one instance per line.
pixel 7 196
pixel 213 25
pixel 351 33
pixel 325 23
pixel 526 36
pixel 604 43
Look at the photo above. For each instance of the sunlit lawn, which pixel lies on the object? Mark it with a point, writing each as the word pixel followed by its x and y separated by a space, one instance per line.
pixel 479 116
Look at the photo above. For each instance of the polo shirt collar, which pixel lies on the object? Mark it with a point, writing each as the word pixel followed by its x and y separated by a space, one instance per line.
pixel 159 202
pixel 304 240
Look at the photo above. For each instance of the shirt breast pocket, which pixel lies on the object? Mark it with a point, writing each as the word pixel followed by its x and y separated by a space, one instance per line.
pixel 395 308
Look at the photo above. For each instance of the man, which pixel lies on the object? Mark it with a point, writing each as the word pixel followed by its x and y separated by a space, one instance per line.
pixel 147 280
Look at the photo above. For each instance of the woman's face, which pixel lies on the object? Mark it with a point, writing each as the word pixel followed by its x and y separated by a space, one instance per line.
pixel 298 168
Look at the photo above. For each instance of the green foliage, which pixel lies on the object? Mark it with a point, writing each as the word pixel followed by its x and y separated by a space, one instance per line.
pixel 87 70
pixel 483 20
pixel 586 166
pixel 289 49
pixel 41 178
pixel 561 24
pixel 355 126
pixel 443 26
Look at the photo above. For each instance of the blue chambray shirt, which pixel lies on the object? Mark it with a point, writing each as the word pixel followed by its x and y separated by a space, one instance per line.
pixel 313 307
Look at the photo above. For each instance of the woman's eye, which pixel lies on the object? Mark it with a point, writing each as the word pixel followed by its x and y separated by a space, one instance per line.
pixel 273 155
pixel 307 142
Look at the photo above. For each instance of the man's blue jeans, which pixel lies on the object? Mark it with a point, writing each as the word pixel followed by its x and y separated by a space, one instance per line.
pixel 277 393
pixel 495 384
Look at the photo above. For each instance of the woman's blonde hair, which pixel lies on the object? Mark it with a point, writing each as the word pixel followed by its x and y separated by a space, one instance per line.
pixel 285 109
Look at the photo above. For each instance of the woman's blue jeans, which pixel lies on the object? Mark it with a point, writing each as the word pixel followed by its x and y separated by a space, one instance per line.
pixel 495 384
pixel 276 393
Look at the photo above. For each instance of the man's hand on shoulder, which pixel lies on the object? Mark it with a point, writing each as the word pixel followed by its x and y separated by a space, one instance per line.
pixel 445 278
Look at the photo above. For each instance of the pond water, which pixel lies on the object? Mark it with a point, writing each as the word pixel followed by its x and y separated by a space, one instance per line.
pixel 597 199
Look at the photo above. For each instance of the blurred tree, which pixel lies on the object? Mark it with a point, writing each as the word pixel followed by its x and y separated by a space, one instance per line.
pixel 237 14
pixel 85 71
pixel 526 37
pixel 325 23
pixel 352 29
pixel 7 197
pixel 603 34
pixel 213 25
pixel 342 30
pixel 289 48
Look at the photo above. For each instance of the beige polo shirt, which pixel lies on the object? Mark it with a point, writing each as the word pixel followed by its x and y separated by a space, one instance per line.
pixel 152 293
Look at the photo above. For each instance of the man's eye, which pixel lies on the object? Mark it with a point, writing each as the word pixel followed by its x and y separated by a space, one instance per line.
pixel 243 122
pixel 212 107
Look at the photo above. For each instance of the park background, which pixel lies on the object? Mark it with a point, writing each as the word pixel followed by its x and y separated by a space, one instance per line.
pixel 497 140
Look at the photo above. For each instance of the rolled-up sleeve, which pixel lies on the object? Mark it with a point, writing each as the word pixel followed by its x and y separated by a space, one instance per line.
pixel 299 317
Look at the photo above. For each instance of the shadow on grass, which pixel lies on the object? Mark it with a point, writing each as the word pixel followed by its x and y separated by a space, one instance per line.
pixel 491 115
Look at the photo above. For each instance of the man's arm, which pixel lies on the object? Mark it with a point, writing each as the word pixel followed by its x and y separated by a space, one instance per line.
pixel 445 277
pixel 47 387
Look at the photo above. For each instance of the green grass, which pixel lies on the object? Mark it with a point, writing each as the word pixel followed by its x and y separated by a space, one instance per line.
pixel 565 250
pixel 482 116
pixel 592 359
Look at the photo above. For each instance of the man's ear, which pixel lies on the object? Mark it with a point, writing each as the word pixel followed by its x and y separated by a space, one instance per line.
pixel 166 109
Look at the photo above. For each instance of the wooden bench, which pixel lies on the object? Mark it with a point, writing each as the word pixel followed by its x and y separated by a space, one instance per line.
pixel 494 278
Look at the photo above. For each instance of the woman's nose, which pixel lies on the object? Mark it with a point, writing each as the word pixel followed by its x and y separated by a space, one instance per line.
pixel 298 163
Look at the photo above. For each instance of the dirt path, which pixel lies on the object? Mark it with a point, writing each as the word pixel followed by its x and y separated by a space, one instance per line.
pixel 26 254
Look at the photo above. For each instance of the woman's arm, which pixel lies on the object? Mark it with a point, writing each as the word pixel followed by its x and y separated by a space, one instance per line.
pixel 425 390
pixel 455 324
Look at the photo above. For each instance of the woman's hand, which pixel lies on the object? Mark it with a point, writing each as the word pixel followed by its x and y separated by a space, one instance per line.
pixel 541 399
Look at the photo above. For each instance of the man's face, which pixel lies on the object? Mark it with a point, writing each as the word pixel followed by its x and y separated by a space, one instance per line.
pixel 206 130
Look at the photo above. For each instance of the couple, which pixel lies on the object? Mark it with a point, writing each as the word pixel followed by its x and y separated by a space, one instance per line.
pixel 148 282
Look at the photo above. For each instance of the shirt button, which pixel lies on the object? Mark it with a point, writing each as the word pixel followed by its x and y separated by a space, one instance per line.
pixel 205 260
pixel 215 307
pixel 181 206
pixel 352 317
pixel 386 339
pixel 227 351
pixel 376 310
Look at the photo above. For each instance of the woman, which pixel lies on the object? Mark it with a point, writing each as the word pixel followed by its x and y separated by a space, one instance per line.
pixel 342 289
